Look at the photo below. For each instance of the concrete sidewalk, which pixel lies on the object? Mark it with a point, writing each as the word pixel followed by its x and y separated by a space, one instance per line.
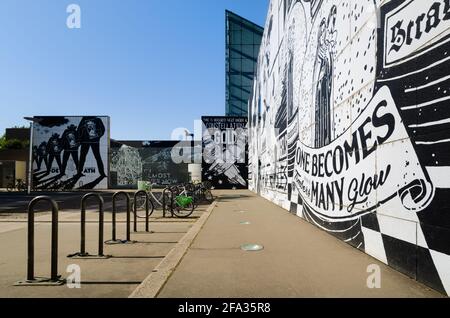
pixel 299 260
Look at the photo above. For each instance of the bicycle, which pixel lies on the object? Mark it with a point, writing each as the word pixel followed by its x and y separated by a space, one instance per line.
pixel 154 200
pixel 188 196
pixel 202 192
pixel 187 190
pixel 19 186
pixel 183 205
pixel 180 202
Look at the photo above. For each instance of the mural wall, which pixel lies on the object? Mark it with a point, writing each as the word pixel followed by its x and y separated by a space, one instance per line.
pixel 70 152
pixel 225 152
pixel 350 125
pixel 133 161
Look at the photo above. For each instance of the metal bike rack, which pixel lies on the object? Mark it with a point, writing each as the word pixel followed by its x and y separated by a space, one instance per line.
pixel 55 279
pixel 83 254
pixel 164 201
pixel 147 210
pixel 114 239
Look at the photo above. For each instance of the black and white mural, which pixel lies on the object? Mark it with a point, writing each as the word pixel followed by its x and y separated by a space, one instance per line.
pixel 225 152
pixel 349 126
pixel 70 152
pixel 152 161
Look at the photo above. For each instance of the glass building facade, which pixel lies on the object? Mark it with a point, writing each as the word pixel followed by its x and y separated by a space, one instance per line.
pixel 243 39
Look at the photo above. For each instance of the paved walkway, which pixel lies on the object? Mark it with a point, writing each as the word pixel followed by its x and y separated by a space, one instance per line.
pixel 299 260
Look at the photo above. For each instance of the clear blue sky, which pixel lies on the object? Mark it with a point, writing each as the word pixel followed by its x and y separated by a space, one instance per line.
pixel 152 65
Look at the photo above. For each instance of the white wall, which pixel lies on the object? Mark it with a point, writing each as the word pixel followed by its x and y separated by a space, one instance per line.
pixel 349 125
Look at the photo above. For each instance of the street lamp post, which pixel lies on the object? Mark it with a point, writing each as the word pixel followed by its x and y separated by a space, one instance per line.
pixel 189 134
pixel 30 163
pixel 192 152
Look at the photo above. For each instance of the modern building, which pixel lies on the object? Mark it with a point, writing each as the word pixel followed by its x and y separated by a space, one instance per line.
pixel 12 170
pixel 14 156
pixel 243 40
pixel 21 134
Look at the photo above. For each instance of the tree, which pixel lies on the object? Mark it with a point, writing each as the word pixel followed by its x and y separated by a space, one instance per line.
pixel 12 143
pixel 2 142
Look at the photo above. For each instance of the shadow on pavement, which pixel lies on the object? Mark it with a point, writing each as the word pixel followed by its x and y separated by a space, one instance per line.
pixel 18 202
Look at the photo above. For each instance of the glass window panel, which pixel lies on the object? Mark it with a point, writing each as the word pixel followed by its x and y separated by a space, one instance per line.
pixel 235 91
pixel 257 39
pixel 247 37
pixel 233 26
pixel 235 105
pixel 237 96
pixel 236 47
pixel 248 65
pixel 235 37
pixel 235 54
pixel 235 64
pixel 247 89
pixel 246 81
pixel 248 50
pixel 256 49
pixel 236 79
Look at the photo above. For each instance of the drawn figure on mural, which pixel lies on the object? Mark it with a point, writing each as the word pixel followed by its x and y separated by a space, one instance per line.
pixel 258 184
pixel 323 76
pixel 90 131
pixel 265 113
pixel 126 162
pixel 54 150
pixel 287 7
pixel 70 143
pixel 315 6
pixel 42 155
pixel 269 33
pixel 35 156
pixel 290 89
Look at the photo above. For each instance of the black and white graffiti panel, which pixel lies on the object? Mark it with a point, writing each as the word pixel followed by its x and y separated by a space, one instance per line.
pixel 225 152
pixel 150 161
pixel 70 153
pixel 349 125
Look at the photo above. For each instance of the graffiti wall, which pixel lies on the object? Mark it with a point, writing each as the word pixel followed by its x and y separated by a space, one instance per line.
pixel 152 161
pixel 350 125
pixel 225 152
pixel 70 152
